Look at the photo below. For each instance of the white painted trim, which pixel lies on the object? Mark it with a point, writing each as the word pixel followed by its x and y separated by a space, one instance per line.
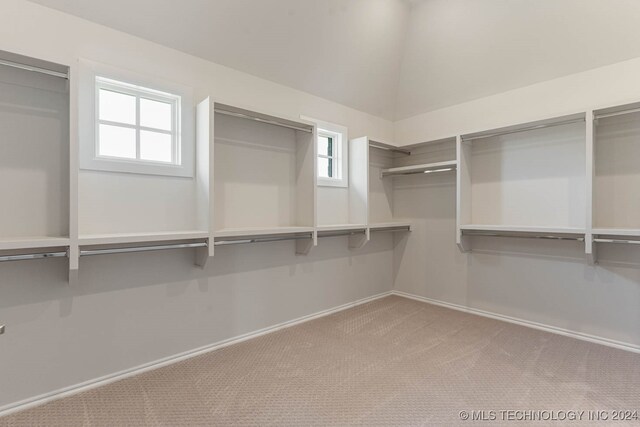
pixel 108 379
pixel 527 323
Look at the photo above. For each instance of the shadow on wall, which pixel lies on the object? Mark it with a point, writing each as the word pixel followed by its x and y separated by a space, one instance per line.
pixel 29 282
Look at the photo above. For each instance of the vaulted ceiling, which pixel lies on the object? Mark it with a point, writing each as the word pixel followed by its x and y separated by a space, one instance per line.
pixel 390 58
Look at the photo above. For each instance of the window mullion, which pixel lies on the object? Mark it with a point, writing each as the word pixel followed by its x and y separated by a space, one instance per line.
pixel 138 127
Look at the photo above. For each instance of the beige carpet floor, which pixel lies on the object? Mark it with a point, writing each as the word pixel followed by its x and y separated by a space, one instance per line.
pixel 393 361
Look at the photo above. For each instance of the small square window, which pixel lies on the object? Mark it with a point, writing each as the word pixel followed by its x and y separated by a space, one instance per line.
pixel 330 158
pixel 137 124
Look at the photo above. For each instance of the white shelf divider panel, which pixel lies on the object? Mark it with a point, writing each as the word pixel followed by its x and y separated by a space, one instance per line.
pixel 359 189
pixel 205 122
pixel 264 176
pixel 423 168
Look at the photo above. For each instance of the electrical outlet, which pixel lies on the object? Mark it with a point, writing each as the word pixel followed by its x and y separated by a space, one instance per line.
pixel 1 329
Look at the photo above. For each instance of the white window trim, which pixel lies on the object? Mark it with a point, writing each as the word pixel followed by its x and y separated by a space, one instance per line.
pixel 87 93
pixel 343 156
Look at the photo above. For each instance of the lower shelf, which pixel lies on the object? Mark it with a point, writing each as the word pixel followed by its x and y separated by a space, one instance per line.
pixel 616 232
pixel 391 226
pixel 39 242
pixel 127 238
pixel 230 233
pixel 569 231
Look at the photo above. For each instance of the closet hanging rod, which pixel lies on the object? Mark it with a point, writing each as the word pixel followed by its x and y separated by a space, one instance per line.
pixel 90 252
pixel 258 119
pixel 522 236
pixel 260 240
pixel 385 147
pixel 630 242
pixel 523 129
pixel 23 257
pixel 34 69
pixel 616 113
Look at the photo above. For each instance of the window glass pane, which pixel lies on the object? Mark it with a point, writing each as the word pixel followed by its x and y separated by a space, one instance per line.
pixel 325 145
pixel 155 146
pixel 155 114
pixel 117 107
pixel 116 141
pixel 323 168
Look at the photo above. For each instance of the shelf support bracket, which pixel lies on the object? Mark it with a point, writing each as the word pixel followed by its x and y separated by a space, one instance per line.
pixel 591 250
pixel 204 254
pixel 304 246
pixel 357 241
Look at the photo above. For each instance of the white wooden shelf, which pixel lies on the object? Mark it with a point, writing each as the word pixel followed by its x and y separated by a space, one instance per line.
pixel 423 168
pixel 38 242
pixel 127 238
pixel 388 225
pixel 341 227
pixel 261 231
pixel 524 229
pixel 622 232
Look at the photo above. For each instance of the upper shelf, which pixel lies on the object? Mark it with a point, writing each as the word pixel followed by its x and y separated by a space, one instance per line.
pixel 17 243
pixel 126 238
pixel 423 168
pixel 523 127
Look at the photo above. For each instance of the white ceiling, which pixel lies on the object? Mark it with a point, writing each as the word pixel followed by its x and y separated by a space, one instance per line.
pixel 391 58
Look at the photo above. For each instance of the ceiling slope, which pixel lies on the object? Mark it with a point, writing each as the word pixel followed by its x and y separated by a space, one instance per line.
pixel 390 58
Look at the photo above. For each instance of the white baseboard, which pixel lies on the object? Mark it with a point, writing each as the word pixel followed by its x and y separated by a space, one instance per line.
pixel 540 326
pixel 107 379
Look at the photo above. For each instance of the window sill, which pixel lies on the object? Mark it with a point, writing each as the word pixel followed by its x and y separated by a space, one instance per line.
pixel 123 166
pixel 340 183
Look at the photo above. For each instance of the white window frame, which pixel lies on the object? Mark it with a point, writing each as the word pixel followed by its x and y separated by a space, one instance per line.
pixel 94 76
pixel 341 134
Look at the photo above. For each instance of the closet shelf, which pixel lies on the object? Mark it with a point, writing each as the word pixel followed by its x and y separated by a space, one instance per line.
pixel 423 168
pixel 622 232
pixel 126 238
pixel 391 226
pixel 260 231
pixel 36 242
pixel 571 231
pixel 342 227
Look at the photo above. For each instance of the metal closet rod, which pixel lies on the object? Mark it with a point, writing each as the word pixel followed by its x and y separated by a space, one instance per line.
pixel 34 69
pixel 522 236
pixel 90 252
pixel 258 119
pixel 261 240
pixel 524 129
pixel 616 113
pixel 24 257
pixel 630 242
pixel 388 148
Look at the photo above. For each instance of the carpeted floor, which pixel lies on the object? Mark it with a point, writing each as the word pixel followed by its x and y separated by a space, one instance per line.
pixel 393 361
